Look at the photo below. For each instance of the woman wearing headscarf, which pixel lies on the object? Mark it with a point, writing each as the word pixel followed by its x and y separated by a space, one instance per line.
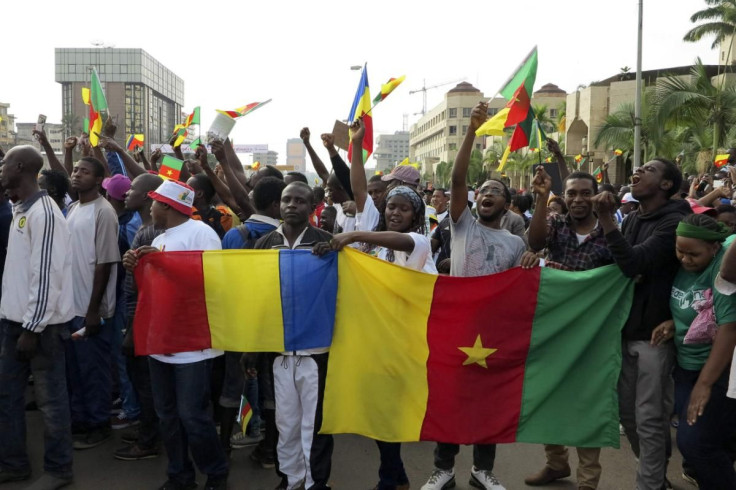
pixel 704 329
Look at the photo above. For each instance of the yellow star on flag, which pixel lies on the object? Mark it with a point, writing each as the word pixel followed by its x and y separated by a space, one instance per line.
pixel 477 354
pixel 169 172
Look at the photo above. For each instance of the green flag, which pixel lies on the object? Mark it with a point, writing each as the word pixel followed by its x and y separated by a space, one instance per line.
pixel 97 95
pixel 525 75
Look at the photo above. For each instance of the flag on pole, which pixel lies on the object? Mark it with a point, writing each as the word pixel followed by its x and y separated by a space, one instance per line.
pixel 242 111
pixel 194 144
pixel 598 175
pixel 170 168
pixel 505 157
pixel 192 118
pixel 721 160
pixel 537 136
pixel 525 74
pixel 97 95
pixel 134 141
pixel 387 88
pixel 244 414
pixel 85 95
pixel 179 135
pixel 618 153
pixel 361 108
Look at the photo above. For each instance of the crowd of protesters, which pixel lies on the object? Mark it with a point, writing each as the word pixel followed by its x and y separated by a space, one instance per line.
pixel 72 235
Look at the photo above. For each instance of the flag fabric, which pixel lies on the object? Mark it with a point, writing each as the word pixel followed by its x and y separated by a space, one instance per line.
pixel 192 118
pixel 85 95
pixel 282 314
pixel 515 111
pixel 525 74
pixel 244 414
pixel 255 165
pixel 387 88
pixel 721 160
pixel 548 160
pixel 598 175
pixel 179 135
pixel 361 108
pixel 134 141
pixel 578 158
pixel 195 144
pixel 97 95
pixel 504 158
pixel 521 341
pixel 618 153
pixel 94 126
pixel 170 168
pixel 537 136
pixel 242 111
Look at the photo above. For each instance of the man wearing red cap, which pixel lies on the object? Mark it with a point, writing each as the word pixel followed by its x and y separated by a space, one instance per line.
pixel 181 382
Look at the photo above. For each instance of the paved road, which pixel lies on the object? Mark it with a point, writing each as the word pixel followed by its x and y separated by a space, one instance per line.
pixel 354 466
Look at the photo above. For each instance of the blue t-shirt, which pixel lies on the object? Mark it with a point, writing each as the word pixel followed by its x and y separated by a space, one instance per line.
pixel 233 239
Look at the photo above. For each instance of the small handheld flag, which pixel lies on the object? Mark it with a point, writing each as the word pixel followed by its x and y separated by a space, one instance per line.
pixel 195 144
pixel 244 414
pixel 721 160
pixel 242 111
pixel 387 88
pixel 618 153
pixel 192 118
pixel 170 168
pixel 134 141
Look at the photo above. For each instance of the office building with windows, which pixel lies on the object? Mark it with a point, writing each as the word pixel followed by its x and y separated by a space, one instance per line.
pixel 391 149
pixel 143 96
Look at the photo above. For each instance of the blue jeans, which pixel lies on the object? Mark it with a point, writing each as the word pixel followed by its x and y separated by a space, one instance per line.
pixel 89 376
pixel 181 394
pixel 130 407
pixel 49 377
pixel 251 394
pixel 705 445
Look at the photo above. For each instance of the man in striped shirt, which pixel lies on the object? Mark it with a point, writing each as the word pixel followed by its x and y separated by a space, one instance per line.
pixel 35 309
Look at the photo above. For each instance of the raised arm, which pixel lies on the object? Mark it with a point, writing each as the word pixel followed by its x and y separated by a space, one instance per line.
pixel 237 190
pixel 538 231
pixel 554 148
pixel 342 172
pixel 358 182
pixel 140 157
pixel 155 157
pixel 221 188
pixel 459 186
pixel 131 166
pixel 69 145
pixel 393 240
pixel 232 162
pixel 319 167
pixel 715 195
pixel 97 153
pixel 54 162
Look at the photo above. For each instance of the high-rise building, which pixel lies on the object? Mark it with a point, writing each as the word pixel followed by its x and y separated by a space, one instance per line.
pixel 54 133
pixel 142 94
pixel 296 154
pixel 391 149
pixel 269 157
pixel 7 127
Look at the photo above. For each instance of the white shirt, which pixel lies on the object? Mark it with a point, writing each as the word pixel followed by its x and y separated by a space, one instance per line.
pixel 367 220
pixel 38 266
pixel 420 259
pixel 190 235
pixel 94 240
pixel 347 223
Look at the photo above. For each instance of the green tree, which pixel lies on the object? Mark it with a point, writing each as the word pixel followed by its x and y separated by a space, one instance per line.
pixel 475 168
pixel 719 20
pixel 617 130
pixel 71 124
pixel 545 121
pixel 696 101
pixel 442 174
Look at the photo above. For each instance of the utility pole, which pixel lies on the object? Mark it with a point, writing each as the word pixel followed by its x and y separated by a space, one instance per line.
pixel 637 100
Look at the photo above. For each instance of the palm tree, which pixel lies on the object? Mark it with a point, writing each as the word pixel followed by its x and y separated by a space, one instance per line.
pixel 71 124
pixel 545 122
pixel 442 174
pixel 721 22
pixel 617 130
pixel 695 101
pixel 475 168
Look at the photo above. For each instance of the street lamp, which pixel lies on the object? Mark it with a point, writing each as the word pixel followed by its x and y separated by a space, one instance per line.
pixel 356 67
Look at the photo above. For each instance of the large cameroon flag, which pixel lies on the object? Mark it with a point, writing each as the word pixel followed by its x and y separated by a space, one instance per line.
pixel 525 355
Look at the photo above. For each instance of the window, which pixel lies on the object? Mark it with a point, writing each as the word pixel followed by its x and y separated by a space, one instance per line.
pixel 453 129
pixel 465 129
pixel 467 111
pixel 453 112
pixel 452 146
pixel 553 112
pixel 492 111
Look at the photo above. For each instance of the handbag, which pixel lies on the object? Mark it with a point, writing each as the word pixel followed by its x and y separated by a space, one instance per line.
pixel 703 329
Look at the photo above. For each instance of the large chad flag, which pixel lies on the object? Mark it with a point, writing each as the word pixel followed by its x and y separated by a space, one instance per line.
pixel 362 108
pixel 525 355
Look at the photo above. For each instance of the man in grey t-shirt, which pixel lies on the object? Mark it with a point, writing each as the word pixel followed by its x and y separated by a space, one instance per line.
pixel 479 247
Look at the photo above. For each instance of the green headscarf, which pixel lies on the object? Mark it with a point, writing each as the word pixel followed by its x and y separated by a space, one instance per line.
pixel 691 231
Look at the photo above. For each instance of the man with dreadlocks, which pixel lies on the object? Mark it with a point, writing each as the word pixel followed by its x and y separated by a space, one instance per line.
pixel 479 247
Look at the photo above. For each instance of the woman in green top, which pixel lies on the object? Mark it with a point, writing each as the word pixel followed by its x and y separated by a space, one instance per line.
pixel 707 416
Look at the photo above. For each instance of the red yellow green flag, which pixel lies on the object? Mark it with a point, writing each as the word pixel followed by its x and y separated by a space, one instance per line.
pixel 170 168
pixel 598 174
pixel 721 160
pixel 387 88
pixel 245 110
pixel 97 95
pixel 244 414
pixel 361 108
pixel 192 118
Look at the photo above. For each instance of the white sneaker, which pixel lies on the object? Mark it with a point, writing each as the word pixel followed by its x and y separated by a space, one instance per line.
pixel 484 479
pixel 440 480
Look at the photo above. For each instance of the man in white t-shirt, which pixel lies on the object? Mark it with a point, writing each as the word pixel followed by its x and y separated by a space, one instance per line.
pixel 181 382
pixel 93 225
pixel 36 305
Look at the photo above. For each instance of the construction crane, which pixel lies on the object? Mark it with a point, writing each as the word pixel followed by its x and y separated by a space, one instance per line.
pixel 424 92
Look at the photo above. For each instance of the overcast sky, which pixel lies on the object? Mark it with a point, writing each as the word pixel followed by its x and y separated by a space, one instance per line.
pixel 299 53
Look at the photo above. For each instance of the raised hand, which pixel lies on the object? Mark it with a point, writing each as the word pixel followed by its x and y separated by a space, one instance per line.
pixel 156 155
pixel 478 116
pixel 542 183
pixel 357 131
pixel 304 135
pixel 70 143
